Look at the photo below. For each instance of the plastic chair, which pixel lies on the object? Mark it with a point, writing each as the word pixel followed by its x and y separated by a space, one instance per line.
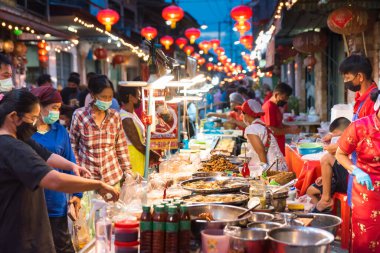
pixel 345 214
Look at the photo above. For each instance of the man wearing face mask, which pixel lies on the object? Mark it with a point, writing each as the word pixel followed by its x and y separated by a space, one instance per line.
pixel 273 116
pixel 130 98
pixel 6 82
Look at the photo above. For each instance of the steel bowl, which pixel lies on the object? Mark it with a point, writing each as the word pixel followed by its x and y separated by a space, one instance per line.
pixel 243 199
pixel 223 215
pixel 240 183
pixel 326 222
pixel 300 240
pixel 287 219
pixel 250 240
pixel 267 225
pixel 261 217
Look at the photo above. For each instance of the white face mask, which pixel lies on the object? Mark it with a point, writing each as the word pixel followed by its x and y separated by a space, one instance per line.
pixel 6 85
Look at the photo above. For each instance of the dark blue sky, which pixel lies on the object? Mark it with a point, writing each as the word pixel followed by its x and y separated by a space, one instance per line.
pixel 210 12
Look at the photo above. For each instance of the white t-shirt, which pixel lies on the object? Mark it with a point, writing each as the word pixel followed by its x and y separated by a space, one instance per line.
pixel 136 120
pixel 258 128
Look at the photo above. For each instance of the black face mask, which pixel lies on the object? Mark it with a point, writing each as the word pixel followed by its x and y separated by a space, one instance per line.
pixel 25 131
pixel 351 86
pixel 281 103
pixel 137 105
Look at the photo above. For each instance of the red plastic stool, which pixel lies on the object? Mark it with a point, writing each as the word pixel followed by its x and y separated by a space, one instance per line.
pixel 345 214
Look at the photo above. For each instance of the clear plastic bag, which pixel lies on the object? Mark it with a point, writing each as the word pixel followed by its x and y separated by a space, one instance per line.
pixel 81 233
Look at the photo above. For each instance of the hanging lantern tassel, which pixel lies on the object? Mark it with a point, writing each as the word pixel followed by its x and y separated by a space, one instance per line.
pixel 364 44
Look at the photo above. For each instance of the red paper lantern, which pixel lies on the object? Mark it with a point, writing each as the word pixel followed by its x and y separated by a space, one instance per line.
pixel 241 13
pixel 247 41
pixel 166 41
pixel 42 52
pixel 310 42
pixel 348 20
pixel 209 66
pixel 118 59
pixel 181 42
pixel 242 27
pixel 41 45
pixel 192 34
pixel 108 17
pixel 215 43
pixel 20 49
pixel 149 32
pixel 100 53
pixel 219 51
pixel 188 50
pixel 205 46
pixel 309 62
pixel 222 59
pixel 201 61
pixel 173 14
pixel 196 56
pixel 43 58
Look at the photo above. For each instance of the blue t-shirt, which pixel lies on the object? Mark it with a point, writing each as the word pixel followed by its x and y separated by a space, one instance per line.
pixel 57 141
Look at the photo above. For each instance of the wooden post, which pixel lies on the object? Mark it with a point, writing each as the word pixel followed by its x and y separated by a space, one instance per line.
pixel 299 86
pixel 320 72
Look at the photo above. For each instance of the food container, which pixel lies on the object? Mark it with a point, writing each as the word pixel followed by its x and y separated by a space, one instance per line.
pixel 240 199
pixel 126 231
pixel 326 222
pixel 278 200
pixel 261 217
pixel 214 240
pixel 223 215
pixel 309 148
pixel 126 247
pixel 267 225
pixel 300 240
pixel 206 174
pixel 250 240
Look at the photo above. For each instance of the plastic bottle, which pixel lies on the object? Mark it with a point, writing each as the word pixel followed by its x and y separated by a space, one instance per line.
pixel 103 230
pixel 184 230
pixel 146 234
pixel 245 171
pixel 171 230
pixel 185 141
pixel 159 218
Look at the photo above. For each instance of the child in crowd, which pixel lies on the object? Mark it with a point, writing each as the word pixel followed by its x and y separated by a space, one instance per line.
pixel 338 181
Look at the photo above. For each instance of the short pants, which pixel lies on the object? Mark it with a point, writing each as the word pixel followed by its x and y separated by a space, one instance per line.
pixel 338 181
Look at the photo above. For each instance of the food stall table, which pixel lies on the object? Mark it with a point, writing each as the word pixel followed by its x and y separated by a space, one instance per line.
pixel 306 171
pixel 306 124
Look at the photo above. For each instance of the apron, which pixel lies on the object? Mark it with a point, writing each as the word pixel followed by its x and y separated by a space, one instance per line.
pixel 136 158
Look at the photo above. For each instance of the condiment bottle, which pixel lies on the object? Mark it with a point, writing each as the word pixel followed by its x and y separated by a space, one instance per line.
pixel 159 218
pixel 146 234
pixel 184 230
pixel 245 171
pixel 103 230
pixel 171 229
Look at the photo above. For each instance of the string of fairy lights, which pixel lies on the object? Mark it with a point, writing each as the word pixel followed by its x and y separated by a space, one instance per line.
pixel 119 41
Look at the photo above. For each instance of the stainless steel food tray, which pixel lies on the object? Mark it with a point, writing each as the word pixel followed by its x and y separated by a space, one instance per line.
pixel 237 203
pixel 242 183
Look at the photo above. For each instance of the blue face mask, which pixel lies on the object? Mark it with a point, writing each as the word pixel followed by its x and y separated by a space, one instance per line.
pixel 6 85
pixel 52 117
pixel 102 105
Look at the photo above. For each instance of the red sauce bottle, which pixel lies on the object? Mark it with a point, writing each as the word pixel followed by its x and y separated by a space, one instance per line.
pixel 184 230
pixel 245 171
pixel 159 218
pixel 146 233
pixel 171 229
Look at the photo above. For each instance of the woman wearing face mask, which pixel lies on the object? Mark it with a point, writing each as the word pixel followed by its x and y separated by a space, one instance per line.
pixel 6 82
pixel 363 137
pixel 134 129
pixel 24 173
pixel 262 145
pixel 54 137
pixel 97 135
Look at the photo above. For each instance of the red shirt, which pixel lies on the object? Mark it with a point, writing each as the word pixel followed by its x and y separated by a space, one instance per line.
pixel 273 118
pixel 367 108
pixel 237 116
pixel 268 96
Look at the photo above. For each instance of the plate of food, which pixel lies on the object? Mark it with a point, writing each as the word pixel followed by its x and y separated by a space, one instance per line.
pixel 214 184
pixel 228 199
pixel 218 163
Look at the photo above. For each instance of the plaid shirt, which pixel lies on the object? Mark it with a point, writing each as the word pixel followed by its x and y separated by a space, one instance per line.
pixel 102 150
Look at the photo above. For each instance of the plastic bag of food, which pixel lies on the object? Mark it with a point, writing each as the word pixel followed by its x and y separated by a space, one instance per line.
pixel 81 232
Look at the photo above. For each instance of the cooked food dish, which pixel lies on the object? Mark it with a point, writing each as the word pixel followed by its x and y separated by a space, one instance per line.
pixel 205 216
pixel 218 163
pixel 281 177
pixel 213 185
pixel 216 198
